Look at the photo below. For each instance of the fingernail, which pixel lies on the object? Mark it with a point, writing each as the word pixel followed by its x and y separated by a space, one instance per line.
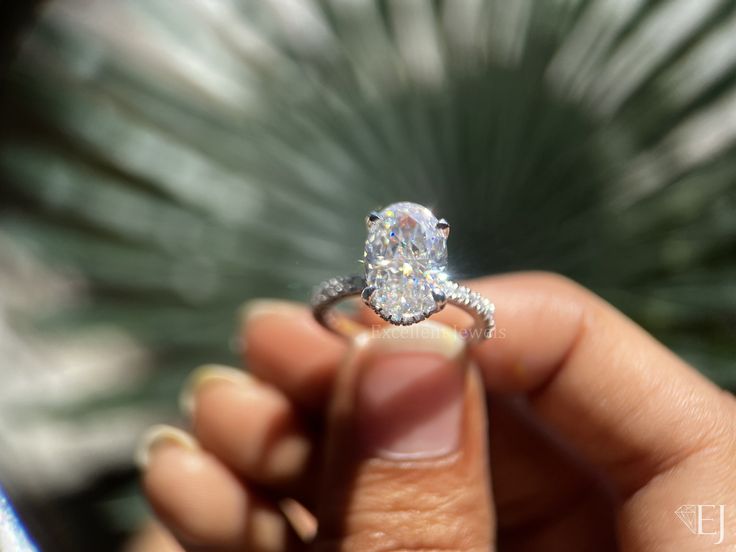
pixel 158 435
pixel 410 392
pixel 205 375
pixel 256 308
pixel 302 520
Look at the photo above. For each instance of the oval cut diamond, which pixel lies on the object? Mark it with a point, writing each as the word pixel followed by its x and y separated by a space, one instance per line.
pixel 405 261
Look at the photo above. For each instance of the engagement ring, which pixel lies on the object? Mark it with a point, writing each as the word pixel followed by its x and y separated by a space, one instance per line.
pixel 405 278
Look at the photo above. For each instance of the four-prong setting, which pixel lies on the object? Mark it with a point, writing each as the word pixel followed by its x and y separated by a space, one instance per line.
pixel 405 263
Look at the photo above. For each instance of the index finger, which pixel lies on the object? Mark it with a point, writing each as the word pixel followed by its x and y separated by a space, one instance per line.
pixel 626 402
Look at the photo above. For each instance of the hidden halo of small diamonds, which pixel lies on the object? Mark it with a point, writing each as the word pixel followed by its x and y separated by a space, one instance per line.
pixel 405 279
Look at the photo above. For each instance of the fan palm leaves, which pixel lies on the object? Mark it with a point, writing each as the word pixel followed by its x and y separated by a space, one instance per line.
pixel 179 158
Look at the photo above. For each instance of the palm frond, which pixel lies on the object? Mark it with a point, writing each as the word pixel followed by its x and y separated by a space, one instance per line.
pixel 182 157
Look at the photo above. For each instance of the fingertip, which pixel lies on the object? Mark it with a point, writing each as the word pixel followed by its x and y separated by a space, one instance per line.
pixel 160 435
pixel 195 496
pixel 286 347
pixel 255 308
pixel 253 428
pixel 205 506
pixel 539 318
pixel 406 423
pixel 611 389
pixel 203 376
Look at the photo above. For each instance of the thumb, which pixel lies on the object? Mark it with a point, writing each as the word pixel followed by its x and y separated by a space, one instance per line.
pixel 406 459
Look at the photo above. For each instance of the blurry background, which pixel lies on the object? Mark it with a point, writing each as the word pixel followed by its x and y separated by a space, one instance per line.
pixel 165 160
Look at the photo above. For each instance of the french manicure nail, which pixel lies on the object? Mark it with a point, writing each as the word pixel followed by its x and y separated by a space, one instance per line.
pixel 255 308
pixel 204 375
pixel 158 435
pixel 410 396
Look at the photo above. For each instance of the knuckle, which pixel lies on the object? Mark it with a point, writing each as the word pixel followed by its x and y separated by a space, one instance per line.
pixel 396 520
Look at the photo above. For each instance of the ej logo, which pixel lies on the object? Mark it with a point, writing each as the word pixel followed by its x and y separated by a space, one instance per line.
pixel 704 519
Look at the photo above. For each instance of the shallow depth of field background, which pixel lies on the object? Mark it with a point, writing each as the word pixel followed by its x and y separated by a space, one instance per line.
pixel 165 160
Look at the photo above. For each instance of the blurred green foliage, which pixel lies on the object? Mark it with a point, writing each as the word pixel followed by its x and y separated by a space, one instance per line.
pixel 214 155
pixel 182 158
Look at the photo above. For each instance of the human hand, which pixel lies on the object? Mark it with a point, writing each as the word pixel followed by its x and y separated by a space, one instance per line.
pixel 597 435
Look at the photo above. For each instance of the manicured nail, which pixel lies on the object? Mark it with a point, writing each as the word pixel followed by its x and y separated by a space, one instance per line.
pixel 410 392
pixel 256 308
pixel 158 435
pixel 205 375
pixel 302 520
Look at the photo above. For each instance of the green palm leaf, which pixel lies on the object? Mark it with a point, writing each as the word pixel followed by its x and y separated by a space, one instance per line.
pixel 181 158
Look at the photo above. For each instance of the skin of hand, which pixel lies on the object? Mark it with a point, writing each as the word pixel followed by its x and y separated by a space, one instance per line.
pixel 572 430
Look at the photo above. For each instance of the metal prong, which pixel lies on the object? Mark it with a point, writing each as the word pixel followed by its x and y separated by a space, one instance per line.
pixel 440 299
pixel 366 294
pixel 444 227
pixel 372 217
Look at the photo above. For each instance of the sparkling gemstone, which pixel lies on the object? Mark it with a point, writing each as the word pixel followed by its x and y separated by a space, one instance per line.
pixel 405 261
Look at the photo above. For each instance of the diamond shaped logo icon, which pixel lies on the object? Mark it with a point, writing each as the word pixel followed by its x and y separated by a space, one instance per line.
pixel 688 515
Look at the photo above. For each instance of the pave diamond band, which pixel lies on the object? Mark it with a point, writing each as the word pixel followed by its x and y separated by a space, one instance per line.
pixel 327 294
pixel 406 279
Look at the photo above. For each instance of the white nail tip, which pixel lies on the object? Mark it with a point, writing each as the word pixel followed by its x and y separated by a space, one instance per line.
pixel 157 434
pixel 205 374
pixel 257 307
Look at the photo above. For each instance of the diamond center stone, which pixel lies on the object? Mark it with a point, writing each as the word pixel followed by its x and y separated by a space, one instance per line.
pixel 405 261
